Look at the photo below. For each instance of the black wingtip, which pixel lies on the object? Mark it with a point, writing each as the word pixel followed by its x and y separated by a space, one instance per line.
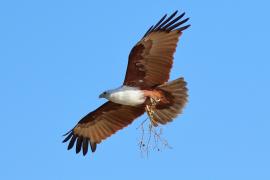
pixel 67 132
pixel 184 21
pixel 183 28
pixel 67 138
pixel 149 30
pixel 71 142
pixel 174 13
pixel 169 24
pixel 182 15
pixel 82 143
pixel 79 144
pixel 93 146
pixel 85 146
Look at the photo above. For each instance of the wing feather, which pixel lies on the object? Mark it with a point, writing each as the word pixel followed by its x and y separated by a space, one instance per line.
pixel 151 59
pixel 100 124
pixel 79 144
pixel 85 146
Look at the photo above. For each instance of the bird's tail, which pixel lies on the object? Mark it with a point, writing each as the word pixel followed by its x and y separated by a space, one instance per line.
pixel 176 94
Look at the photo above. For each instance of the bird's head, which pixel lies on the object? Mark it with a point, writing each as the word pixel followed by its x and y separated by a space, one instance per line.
pixel 105 95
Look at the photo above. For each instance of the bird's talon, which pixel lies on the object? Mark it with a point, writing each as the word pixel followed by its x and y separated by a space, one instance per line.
pixel 150 111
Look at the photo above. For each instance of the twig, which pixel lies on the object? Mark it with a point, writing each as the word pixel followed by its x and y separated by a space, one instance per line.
pixel 154 141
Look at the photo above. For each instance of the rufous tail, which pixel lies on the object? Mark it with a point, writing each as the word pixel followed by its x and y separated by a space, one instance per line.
pixel 176 94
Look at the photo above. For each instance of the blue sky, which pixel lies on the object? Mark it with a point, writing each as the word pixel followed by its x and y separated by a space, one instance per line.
pixel 57 56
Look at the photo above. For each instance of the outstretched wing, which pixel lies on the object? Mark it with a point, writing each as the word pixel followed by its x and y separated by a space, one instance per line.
pixel 100 124
pixel 151 59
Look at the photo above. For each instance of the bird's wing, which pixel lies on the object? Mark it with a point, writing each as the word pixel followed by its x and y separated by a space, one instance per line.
pixel 150 60
pixel 100 124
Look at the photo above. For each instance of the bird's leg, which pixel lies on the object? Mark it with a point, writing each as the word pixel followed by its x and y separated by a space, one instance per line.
pixel 154 101
pixel 154 138
pixel 150 110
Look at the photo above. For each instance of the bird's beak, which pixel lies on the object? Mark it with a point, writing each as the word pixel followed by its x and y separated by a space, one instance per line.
pixel 101 96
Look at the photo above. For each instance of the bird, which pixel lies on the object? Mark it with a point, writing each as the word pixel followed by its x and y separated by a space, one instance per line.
pixel 146 88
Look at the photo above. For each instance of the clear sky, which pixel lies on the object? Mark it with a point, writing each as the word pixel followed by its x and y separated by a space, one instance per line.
pixel 56 57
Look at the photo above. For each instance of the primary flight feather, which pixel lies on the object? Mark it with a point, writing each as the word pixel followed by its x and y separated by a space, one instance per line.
pixel 145 88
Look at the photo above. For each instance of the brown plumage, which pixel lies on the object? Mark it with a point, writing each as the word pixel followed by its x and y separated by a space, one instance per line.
pixel 151 59
pixel 176 93
pixel 148 71
pixel 102 123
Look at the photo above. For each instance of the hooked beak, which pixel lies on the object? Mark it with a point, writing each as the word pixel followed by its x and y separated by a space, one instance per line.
pixel 101 95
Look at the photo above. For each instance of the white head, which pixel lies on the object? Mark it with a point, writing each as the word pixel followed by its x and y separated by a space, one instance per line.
pixel 105 94
pixel 124 95
pixel 109 93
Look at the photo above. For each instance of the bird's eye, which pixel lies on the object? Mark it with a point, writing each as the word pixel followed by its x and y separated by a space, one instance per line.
pixel 105 92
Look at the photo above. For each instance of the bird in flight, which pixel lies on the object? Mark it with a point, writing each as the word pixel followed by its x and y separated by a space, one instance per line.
pixel 145 88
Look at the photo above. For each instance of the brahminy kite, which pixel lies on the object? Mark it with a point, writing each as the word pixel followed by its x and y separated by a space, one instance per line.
pixel 145 88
